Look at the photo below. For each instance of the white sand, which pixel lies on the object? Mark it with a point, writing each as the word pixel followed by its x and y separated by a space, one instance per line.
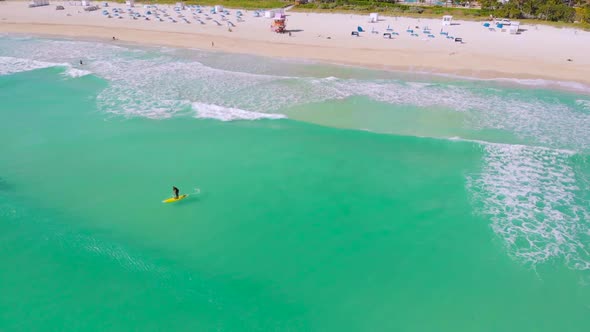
pixel 539 52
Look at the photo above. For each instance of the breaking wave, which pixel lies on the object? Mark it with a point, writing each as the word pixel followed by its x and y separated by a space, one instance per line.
pixel 230 114
pixel 12 65
pixel 156 84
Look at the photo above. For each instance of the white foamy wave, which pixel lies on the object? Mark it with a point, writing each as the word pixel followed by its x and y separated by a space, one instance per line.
pixel 530 195
pixel 10 65
pixel 568 85
pixel 229 114
pixel 75 72
pixel 530 82
pixel 160 84
pixel 131 102
pixel 584 103
pixel 548 122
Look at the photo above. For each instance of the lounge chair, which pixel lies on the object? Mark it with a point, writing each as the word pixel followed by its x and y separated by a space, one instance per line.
pixel 355 33
pixel 431 36
pixel 389 28
pixel 387 35
pixel 374 31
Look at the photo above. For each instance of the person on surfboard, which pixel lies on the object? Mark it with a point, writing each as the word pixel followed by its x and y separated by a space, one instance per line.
pixel 175 191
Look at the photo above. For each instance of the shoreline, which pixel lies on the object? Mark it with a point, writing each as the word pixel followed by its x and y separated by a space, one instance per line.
pixel 440 57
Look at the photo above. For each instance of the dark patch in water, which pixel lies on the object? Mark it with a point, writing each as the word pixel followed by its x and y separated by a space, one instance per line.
pixel 4 185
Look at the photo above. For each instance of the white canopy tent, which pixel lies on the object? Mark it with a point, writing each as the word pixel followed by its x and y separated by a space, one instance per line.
pixel 447 19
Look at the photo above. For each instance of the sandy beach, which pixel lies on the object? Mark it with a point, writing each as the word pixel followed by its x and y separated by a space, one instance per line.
pixel 537 52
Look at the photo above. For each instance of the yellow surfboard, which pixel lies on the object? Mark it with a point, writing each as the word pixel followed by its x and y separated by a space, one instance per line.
pixel 174 199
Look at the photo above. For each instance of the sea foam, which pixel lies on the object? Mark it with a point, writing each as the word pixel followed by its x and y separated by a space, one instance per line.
pixel 530 195
pixel 155 84
pixel 230 114
pixel 12 65
pixel 75 72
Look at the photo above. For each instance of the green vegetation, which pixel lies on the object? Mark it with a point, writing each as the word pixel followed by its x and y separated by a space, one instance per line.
pixel 550 10
pixel 242 4
pixel 553 12
pixel 390 8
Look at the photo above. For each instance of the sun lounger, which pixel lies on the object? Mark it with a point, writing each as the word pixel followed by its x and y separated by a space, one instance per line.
pixel 387 35
pixel 389 28
pixel 459 40
pixel 355 33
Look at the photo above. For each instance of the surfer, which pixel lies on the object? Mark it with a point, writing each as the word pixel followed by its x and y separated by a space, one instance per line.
pixel 175 191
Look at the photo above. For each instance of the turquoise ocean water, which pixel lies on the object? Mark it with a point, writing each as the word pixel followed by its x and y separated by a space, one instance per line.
pixel 331 198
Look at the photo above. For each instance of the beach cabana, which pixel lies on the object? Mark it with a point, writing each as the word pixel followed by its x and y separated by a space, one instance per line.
pixel 447 19
pixel 269 14
pixel 373 17
pixel 514 28
pixel 130 3
pixel 218 8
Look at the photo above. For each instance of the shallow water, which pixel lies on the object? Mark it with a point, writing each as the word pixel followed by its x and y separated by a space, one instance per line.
pixel 331 198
